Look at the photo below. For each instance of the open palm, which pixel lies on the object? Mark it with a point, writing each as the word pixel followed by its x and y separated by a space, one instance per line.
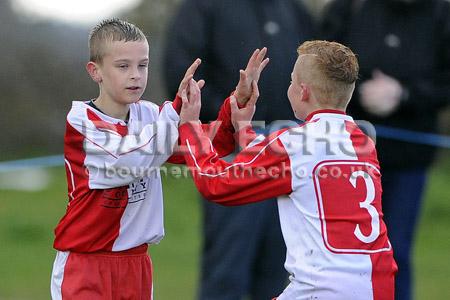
pixel 252 72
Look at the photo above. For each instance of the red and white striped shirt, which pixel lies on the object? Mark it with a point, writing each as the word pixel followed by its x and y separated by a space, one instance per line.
pixel 114 184
pixel 326 176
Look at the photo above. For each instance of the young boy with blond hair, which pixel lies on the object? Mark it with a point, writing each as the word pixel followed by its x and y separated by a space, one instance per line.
pixel 325 173
pixel 113 147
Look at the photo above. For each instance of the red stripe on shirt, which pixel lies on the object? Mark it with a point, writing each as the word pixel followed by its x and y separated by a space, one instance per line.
pixel 384 267
pixel 92 220
pixel 103 125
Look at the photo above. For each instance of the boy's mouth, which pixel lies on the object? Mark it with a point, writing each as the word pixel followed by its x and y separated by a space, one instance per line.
pixel 133 88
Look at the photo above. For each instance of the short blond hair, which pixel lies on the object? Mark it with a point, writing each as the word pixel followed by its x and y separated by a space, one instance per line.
pixel 111 30
pixel 333 71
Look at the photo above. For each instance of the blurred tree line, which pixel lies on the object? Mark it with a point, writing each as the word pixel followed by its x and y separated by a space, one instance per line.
pixel 43 72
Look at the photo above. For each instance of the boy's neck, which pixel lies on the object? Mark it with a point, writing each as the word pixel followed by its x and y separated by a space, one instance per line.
pixel 111 108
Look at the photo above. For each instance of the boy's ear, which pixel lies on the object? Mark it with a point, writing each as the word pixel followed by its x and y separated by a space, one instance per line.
pixel 94 71
pixel 305 92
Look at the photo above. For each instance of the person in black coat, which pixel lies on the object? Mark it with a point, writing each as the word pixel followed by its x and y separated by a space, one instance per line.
pixel 403 47
pixel 243 250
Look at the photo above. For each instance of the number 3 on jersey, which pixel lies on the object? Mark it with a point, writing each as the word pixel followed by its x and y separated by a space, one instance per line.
pixel 349 201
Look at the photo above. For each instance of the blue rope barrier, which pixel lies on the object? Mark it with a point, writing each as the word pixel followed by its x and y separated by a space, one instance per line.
pixel 45 161
pixel 413 136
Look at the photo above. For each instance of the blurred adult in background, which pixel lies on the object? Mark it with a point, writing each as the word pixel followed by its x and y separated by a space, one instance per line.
pixel 403 48
pixel 243 250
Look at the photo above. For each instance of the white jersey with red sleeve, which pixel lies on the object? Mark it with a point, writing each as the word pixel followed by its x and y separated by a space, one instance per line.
pixel 114 186
pixel 326 175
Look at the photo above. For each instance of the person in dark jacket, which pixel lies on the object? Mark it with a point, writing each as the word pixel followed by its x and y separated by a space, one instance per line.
pixel 403 47
pixel 243 250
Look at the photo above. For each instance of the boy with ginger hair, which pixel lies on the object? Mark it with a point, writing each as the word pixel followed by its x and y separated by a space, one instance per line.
pixel 113 147
pixel 324 172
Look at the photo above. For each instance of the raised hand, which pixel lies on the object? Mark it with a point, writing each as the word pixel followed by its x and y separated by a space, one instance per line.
pixel 241 118
pixel 252 72
pixel 191 98
pixel 190 75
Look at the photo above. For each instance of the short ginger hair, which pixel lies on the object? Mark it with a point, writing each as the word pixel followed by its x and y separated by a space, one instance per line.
pixel 332 71
pixel 111 30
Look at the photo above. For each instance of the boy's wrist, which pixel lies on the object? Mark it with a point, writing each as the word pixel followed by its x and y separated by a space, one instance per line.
pixel 183 121
pixel 241 100
pixel 239 125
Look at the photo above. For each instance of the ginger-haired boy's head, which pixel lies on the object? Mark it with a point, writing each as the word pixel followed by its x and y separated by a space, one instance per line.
pixel 324 77
pixel 119 57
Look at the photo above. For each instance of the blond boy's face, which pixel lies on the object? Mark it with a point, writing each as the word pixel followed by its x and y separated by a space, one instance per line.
pixel 123 71
pixel 295 91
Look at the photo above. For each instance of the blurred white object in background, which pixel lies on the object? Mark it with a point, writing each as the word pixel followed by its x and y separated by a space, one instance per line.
pixel 32 179
pixel 31 174
pixel 80 11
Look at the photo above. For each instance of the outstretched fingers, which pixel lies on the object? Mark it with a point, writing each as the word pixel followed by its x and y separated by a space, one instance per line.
pixel 263 65
pixel 189 74
pixel 253 58
pixel 191 70
pixel 191 98
pixel 261 55
pixel 194 93
pixel 256 58
pixel 256 64
pixel 184 83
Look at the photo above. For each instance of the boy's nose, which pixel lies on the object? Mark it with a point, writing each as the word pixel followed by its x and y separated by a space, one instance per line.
pixel 135 74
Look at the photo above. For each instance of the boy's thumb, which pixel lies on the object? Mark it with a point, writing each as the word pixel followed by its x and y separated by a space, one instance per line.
pixel 242 75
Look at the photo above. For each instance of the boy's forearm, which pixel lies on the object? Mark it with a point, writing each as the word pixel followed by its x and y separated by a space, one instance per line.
pixel 245 136
pixel 221 132
pixel 256 174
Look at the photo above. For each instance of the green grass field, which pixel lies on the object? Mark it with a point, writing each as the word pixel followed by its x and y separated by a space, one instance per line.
pixel 27 220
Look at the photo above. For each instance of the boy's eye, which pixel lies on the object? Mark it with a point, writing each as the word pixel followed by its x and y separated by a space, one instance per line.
pixel 123 66
pixel 143 65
